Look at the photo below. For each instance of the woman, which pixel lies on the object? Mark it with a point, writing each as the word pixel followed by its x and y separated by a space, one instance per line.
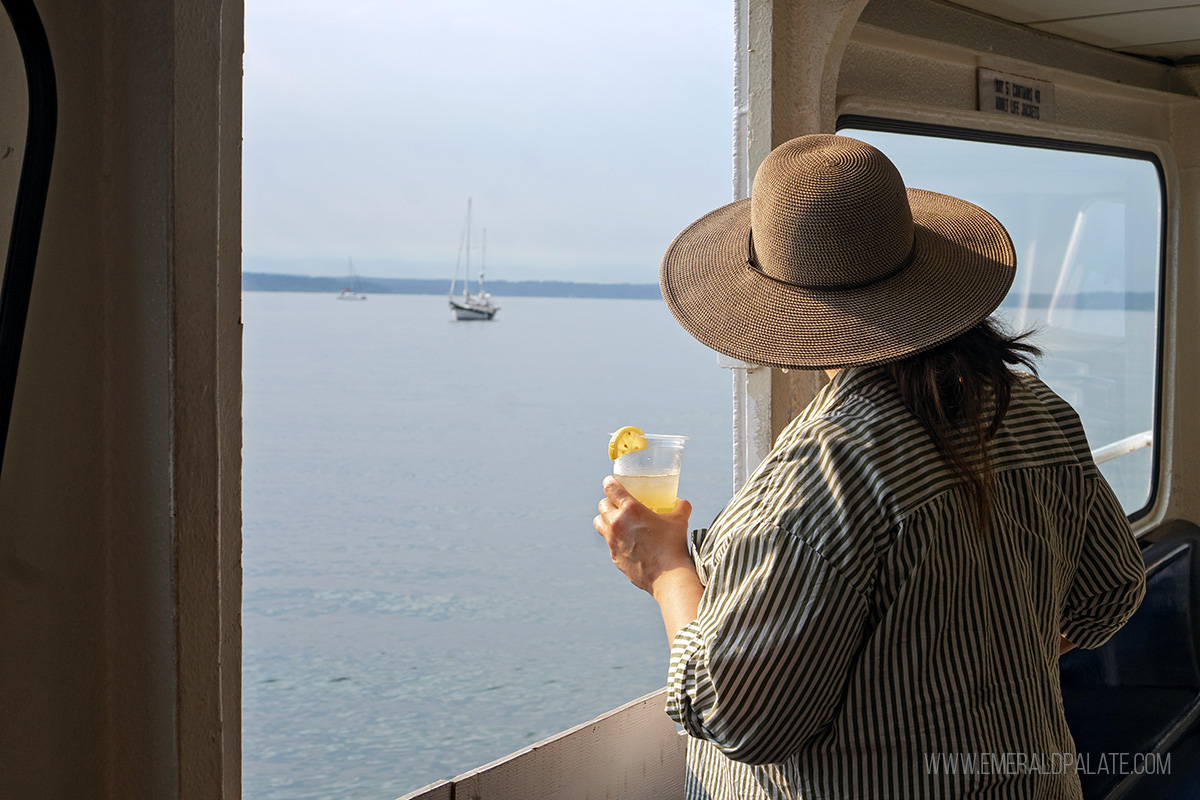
pixel 889 593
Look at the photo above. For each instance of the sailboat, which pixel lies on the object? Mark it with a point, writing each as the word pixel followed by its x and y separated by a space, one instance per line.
pixel 478 306
pixel 351 292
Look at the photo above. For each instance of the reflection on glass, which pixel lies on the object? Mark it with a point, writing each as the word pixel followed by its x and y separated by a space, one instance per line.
pixel 12 127
pixel 1086 229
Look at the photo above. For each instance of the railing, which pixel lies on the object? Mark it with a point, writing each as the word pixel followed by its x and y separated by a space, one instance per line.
pixel 1123 447
pixel 630 753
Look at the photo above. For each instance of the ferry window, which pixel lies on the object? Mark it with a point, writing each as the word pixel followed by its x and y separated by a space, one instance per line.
pixel 1087 229
pixel 423 589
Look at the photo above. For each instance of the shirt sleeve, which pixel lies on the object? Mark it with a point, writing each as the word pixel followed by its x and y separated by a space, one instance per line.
pixel 763 668
pixel 1110 578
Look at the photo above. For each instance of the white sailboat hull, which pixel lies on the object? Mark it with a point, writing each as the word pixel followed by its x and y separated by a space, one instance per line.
pixel 473 310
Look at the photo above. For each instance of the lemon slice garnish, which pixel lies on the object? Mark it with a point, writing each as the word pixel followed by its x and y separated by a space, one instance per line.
pixel 626 440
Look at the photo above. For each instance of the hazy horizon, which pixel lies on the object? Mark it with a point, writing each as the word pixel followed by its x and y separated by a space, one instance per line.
pixel 383 268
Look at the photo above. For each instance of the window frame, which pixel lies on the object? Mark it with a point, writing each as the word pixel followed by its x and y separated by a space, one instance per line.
pixel 939 131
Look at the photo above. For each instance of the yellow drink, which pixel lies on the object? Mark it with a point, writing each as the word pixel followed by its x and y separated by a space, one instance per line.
pixel 656 492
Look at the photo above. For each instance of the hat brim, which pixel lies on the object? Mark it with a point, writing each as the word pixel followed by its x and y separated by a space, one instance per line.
pixel 962 266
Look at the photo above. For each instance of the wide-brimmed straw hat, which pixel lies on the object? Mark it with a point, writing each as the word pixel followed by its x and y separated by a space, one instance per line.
pixel 832 262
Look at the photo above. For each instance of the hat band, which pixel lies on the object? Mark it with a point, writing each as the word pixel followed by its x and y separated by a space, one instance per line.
pixel 752 263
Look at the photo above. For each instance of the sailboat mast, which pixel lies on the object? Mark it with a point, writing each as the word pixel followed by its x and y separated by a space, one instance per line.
pixel 467 272
pixel 463 242
pixel 482 259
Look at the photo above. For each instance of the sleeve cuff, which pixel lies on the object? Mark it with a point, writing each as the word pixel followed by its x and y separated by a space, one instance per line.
pixel 1086 636
pixel 1093 629
pixel 683 685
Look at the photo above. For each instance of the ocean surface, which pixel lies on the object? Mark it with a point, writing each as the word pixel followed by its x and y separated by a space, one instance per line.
pixel 423 588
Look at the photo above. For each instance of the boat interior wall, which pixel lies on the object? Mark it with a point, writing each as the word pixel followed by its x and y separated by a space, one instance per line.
pixel 119 499
pixel 1166 29
pixel 974 32
pixel 801 80
pixel 1179 459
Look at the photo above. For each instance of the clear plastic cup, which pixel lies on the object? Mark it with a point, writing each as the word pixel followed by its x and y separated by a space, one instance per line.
pixel 652 475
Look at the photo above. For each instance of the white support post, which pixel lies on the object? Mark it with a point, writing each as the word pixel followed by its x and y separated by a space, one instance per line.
pixel 751 383
pixel 751 416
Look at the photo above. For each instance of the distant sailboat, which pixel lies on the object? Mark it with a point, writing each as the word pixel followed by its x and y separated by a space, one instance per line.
pixel 478 306
pixel 351 292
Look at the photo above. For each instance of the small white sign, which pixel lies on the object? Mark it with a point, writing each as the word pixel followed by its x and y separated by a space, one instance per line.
pixel 1017 96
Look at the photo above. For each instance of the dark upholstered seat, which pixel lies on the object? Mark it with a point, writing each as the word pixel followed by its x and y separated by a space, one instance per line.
pixel 1135 702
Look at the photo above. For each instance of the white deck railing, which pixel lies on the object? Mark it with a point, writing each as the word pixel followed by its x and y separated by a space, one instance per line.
pixel 630 753
pixel 1123 447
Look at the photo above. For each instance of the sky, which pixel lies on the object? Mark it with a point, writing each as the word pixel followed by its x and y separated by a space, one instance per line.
pixel 587 134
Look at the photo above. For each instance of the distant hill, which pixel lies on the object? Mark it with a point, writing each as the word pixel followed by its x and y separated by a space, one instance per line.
pixel 271 282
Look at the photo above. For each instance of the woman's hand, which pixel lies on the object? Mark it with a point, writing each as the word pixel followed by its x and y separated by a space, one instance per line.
pixel 643 544
pixel 651 549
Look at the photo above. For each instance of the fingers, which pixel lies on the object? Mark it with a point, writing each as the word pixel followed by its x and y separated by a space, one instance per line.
pixel 609 514
pixel 616 492
pixel 621 499
pixel 682 508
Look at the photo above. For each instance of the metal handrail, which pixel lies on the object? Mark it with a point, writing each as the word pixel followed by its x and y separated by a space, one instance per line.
pixel 31 198
pixel 1123 447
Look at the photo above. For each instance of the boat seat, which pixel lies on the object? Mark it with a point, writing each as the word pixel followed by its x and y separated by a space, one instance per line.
pixel 1140 692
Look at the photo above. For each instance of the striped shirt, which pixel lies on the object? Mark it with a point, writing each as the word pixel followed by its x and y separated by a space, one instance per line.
pixel 858 637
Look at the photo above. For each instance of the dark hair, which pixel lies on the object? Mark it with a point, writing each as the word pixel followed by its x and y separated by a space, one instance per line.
pixel 953 387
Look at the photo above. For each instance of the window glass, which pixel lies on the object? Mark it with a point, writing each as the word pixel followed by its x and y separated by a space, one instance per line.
pixel 1086 228
pixel 13 123
pixel 423 589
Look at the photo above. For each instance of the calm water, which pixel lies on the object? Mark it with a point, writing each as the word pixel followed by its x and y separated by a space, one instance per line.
pixel 424 591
